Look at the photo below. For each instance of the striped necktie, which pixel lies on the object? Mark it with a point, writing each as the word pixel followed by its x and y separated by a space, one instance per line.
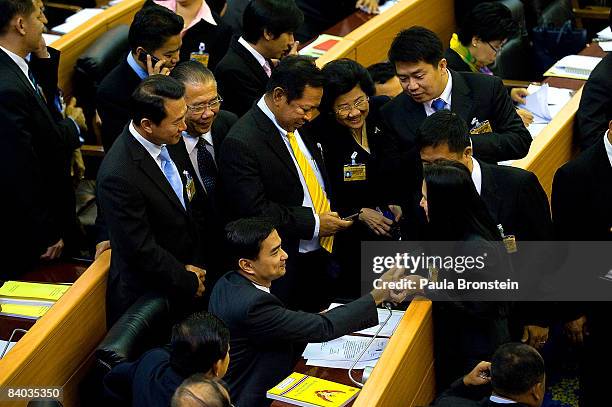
pixel 317 194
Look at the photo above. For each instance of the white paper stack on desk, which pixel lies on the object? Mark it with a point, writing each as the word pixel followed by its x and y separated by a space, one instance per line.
pixel 573 67
pixel 77 19
pixel 342 352
pixel 544 102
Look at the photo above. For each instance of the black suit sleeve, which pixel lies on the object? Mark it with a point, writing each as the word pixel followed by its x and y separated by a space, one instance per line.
pixel 113 116
pixel 245 195
pixel 237 88
pixel 510 140
pixel 125 215
pixel 268 321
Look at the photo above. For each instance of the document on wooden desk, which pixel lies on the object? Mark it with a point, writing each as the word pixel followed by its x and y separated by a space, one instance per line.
pixel 345 349
pixel 3 345
pixel 388 329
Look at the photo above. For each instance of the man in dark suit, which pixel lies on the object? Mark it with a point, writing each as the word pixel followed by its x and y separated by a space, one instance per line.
pixel 198 151
pixel 144 199
pixel 595 104
pixel 155 42
pixel 516 374
pixel 39 204
pixel 267 33
pixel 199 344
pixel 267 167
pixel 265 337
pixel 581 202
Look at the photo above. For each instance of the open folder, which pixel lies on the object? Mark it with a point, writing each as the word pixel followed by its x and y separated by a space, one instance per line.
pixel 573 67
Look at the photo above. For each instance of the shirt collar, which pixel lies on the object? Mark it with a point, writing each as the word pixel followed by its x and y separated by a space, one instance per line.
pixel 608 146
pixel 153 149
pixel 142 74
pixel 266 110
pixel 21 63
pixel 476 175
pixel 191 142
pixel 446 93
pixel 260 58
pixel 261 287
pixel 204 13
pixel 501 400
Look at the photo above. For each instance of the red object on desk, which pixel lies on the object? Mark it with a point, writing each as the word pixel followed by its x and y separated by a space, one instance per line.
pixel 326 45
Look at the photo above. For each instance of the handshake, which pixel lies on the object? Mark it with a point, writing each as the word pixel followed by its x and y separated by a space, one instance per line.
pixel 396 286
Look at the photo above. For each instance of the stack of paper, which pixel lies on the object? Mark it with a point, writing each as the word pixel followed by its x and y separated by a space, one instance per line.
pixel 605 39
pixel 573 67
pixel 544 102
pixel 51 38
pixel 77 19
pixel 342 352
pixel 389 327
pixel 320 46
pixel 29 300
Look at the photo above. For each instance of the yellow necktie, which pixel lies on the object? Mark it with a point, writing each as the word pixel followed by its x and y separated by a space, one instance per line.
pixel 319 199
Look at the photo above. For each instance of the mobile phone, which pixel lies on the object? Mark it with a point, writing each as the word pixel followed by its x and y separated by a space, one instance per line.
pixel 351 217
pixel 142 57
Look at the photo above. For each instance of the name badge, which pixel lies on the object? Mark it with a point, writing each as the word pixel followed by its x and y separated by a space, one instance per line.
pixel 354 172
pixel 481 128
pixel 189 186
pixel 510 244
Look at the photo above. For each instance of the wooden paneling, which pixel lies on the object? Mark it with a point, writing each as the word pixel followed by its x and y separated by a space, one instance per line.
pixel 61 341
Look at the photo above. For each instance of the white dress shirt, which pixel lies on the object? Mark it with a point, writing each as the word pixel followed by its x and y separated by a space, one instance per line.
pixel 261 287
pixel 445 96
pixel 21 63
pixel 608 146
pixel 501 400
pixel 191 143
pixel 476 175
pixel 305 245
pixel 260 58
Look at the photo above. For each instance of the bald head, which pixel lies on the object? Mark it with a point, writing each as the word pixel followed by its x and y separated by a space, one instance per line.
pixel 197 391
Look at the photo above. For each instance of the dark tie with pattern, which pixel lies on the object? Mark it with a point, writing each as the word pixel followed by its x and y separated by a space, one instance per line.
pixel 206 166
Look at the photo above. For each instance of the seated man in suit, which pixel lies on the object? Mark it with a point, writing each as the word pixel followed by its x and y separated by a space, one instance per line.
pixel 155 42
pixel 581 202
pixel 595 104
pixel 145 205
pixel 270 168
pixel 198 391
pixel 516 374
pixel 199 344
pixel 513 196
pixel 198 150
pixel 267 33
pixel 39 205
pixel 266 336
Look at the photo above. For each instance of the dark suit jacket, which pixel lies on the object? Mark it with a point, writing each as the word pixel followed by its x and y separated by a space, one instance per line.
pixel 241 79
pixel 216 38
pixel 473 96
pixel 46 71
pixel 265 335
pixel 39 200
pixel 582 197
pixel 455 62
pixel 147 382
pixel 460 395
pixel 257 177
pixel 595 110
pixel 113 101
pixel 153 237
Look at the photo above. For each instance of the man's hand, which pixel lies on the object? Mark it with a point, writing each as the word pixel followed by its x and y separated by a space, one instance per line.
pixel 518 95
pixel 480 375
pixel 369 6
pixel 330 223
pixel 101 248
pixel 158 68
pixel 525 116
pixel 53 252
pixel 294 48
pixel 77 165
pixel 41 51
pixel 376 221
pixel 76 114
pixel 201 274
pixel 535 336
pixel 396 210
pixel 396 275
pixel 576 330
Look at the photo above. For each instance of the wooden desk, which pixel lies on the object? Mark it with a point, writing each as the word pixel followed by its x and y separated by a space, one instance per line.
pixel 57 347
pixel 404 375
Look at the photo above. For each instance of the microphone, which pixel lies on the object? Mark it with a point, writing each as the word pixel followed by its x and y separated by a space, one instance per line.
pixel 368 369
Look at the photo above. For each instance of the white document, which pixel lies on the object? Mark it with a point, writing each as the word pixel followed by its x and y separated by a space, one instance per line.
pixel 605 34
pixel 606 45
pixel 345 348
pixel 3 345
pixel 574 66
pixel 77 19
pixel 389 328
pixel 556 98
pixel 340 364
pixel 51 38
pixel 537 104
pixel 388 4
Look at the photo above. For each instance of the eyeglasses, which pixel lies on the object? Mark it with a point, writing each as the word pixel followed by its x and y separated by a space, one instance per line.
pixel 496 50
pixel 344 110
pixel 201 108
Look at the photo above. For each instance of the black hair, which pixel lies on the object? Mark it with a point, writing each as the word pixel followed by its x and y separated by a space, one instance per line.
pixel 148 99
pixel 454 207
pixel 275 16
pixel 414 45
pixel 152 26
pixel 192 72
pixel 444 127
pixel 341 76
pixel 489 21
pixel 11 8
pixel 516 368
pixel 198 342
pixel 201 391
pixel 245 236
pixel 381 72
pixel 293 74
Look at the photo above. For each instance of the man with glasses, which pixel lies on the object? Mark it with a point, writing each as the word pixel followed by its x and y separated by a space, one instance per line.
pixel 198 151
pixel 269 167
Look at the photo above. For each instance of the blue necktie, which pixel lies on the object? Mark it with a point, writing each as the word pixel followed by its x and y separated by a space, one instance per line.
pixel 172 175
pixel 438 104
pixel 206 166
